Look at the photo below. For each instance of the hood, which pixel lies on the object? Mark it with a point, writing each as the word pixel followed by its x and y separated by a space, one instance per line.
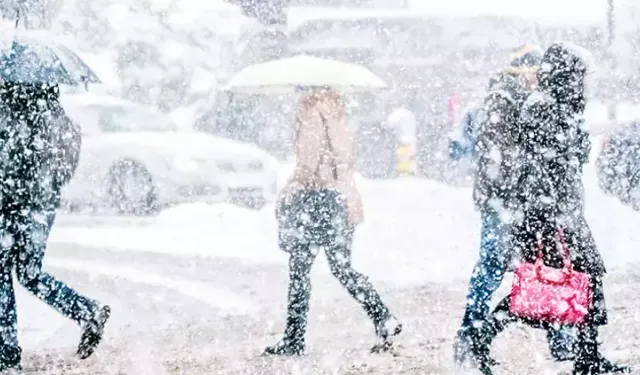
pixel 525 59
pixel 562 74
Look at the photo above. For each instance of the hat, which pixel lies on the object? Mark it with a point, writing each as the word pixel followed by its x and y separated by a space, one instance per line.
pixel 525 59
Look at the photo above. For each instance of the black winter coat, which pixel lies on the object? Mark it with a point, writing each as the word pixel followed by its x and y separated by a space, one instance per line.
pixel 493 183
pixel 553 147
pixel 39 144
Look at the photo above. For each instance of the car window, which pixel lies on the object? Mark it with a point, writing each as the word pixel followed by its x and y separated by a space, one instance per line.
pixel 120 119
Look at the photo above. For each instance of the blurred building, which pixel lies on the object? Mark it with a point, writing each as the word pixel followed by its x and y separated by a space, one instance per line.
pixel 426 60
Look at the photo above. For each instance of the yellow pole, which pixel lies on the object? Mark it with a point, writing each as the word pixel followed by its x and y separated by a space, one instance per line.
pixel 406 159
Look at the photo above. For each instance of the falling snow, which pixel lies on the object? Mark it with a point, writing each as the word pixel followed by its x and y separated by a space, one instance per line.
pixel 319 186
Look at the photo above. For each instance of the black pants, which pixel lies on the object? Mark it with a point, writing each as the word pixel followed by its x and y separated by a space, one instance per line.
pixel 27 220
pixel 313 221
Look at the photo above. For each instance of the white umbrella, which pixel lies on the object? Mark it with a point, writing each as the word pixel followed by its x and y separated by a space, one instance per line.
pixel 304 71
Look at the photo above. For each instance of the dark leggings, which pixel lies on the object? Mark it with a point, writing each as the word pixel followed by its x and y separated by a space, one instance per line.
pixel 28 226
pixel 317 221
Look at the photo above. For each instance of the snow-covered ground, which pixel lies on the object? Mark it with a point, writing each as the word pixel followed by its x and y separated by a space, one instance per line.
pixel 416 231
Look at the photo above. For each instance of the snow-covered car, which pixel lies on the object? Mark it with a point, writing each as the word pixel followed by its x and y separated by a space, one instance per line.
pixel 618 164
pixel 135 159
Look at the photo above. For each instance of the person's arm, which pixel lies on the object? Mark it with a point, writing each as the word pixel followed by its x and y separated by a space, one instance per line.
pixel 487 149
pixel 537 134
pixel 491 143
pixel 583 145
pixel 67 141
pixel 464 147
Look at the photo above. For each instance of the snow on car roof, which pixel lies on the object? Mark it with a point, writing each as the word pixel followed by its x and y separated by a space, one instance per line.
pixel 101 99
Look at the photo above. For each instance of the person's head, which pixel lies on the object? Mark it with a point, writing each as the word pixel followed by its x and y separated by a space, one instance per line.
pixel 325 99
pixel 524 63
pixel 563 71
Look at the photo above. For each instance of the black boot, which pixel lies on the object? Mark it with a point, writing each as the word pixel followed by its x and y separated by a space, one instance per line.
pixel 589 360
pixel 386 331
pixel 285 347
pixel 92 332
pixel 473 346
pixel 473 341
pixel 10 357
pixel 293 342
pixel 562 344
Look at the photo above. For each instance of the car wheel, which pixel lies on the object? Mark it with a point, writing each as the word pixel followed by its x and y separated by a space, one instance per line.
pixel 130 189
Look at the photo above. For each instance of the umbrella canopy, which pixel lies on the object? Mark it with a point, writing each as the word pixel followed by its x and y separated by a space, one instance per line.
pixel 304 71
pixel 32 59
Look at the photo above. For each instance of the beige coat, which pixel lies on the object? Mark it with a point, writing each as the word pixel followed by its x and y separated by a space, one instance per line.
pixel 315 158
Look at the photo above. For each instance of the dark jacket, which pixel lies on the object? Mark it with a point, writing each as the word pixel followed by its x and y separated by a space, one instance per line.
pixel 39 144
pixel 495 142
pixel 553 146
pixel 467 145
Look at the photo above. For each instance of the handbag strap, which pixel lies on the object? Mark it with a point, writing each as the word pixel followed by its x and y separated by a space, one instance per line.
pixel 562 241
pixel 334 167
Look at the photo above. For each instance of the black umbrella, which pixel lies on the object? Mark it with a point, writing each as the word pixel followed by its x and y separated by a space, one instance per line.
pixel 30 59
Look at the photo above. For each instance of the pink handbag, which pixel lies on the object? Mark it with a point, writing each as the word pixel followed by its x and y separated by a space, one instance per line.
pixel 549 294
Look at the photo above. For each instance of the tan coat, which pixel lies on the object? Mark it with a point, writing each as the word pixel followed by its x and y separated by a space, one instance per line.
pixel 322 144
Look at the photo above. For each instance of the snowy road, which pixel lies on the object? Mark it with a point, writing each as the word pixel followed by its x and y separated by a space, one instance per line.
pixel 201 289
pixel 202 315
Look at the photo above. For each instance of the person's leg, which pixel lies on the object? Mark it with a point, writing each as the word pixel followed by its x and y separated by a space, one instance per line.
pixel 338 251
pixel 30 247
pixel 589 358
pixel 488 272
pixel 300 261
pixel 294 238
pixel 485 280
pixel 562 342
pixel 10 352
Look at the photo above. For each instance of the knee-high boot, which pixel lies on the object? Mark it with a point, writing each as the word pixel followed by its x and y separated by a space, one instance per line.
pixel 589 359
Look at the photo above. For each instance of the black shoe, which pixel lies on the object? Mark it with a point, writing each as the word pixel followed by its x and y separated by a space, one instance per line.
pixel 563 348
pixel 92 332
pixel 472 348
pixel 285 348
pixel 591 362
pixel 600 366
pixel 10 357
pixel 386 332
pixel 608 367
pixel 563 356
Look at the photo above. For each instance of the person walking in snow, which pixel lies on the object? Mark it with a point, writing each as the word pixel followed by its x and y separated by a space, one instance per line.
pixel 319 210
pixel 553 146
pixel 492 188
pixel 467 145
pixel 39 149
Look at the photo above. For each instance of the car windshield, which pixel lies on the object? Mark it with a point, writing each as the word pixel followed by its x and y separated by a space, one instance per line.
pixel 120 119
